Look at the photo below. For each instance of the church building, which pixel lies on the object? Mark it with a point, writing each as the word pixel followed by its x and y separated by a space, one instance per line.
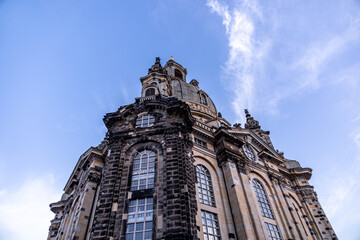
pixel 171 167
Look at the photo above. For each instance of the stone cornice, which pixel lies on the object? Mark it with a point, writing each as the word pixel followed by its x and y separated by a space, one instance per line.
pixel 270 157
pixel 227 147
pixel 259 141
pixel 170 104
pixel 295 173
pixel 201 109
pixel 91 153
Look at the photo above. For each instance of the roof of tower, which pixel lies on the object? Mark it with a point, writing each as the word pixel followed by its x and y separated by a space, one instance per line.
pixel 189 92
pixel 172 62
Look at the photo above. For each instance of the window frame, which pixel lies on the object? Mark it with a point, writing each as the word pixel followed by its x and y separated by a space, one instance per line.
pixel 203 99
pixel 148 89
pixel 144 121
pixel 178 74
pixel 143 172
pixel 143 211
pixel 210 225
pixel 262 199
pixel 204 186
pixel 249 152
pixel 273 231
pixel 200 142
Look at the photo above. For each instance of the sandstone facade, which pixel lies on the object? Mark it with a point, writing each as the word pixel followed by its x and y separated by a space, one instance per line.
pixel 171 167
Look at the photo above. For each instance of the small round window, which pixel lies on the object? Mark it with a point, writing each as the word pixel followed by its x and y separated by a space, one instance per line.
pixel 249 153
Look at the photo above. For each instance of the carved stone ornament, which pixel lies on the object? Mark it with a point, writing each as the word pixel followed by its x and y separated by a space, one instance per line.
pixel 251 123
pixel 94 176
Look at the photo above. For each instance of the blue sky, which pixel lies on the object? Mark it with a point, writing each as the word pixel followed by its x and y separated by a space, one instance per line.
pixel 65 64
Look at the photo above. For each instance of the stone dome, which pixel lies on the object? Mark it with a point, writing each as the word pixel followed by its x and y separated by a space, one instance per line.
pixel 194 96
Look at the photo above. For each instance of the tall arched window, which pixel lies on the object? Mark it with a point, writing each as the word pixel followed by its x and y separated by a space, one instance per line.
pixel 203 99
pixel 143 171
pixel 262 199
pixel 206 194
pixel 150 92
pixel 145 121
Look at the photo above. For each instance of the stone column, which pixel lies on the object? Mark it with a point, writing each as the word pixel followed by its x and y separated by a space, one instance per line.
pixel 246 225
pixel 87 198
pixel 284 217
pixel 288 216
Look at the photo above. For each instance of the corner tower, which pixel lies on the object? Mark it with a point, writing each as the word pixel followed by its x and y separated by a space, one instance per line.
pixel 171 167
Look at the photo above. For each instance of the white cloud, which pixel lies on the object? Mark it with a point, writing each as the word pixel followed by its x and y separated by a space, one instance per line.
pixel 253 31
pixel 315 59
pixel 25 212
pixel 339 191
pixel 245 53
pixel 276 53
pixel 355 135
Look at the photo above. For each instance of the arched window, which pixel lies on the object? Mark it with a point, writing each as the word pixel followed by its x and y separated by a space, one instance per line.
pixel 262 199
pixel 249 153
pixel 178 73
pixel 203 99
pixel 150 92
pixel 145 121
pixel 206 194
pixel 143 171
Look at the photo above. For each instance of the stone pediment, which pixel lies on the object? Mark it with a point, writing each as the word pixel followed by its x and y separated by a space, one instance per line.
pixel 259 143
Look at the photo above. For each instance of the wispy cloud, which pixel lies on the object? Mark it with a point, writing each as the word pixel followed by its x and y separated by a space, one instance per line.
pixel 339 197
pixel 357 137
pixel 282 50
pixel 244 52
pixel 316 57
pixel 24 212
pixel 251 73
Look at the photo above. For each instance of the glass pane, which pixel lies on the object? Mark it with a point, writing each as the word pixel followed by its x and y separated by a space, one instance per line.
pixel 148 235
pixel 131 218
pixel 149 216
pixel 130 227
pixel 139 226
pixel 129 236
pixel 140 217
pixel 148 225
pixel 139 236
